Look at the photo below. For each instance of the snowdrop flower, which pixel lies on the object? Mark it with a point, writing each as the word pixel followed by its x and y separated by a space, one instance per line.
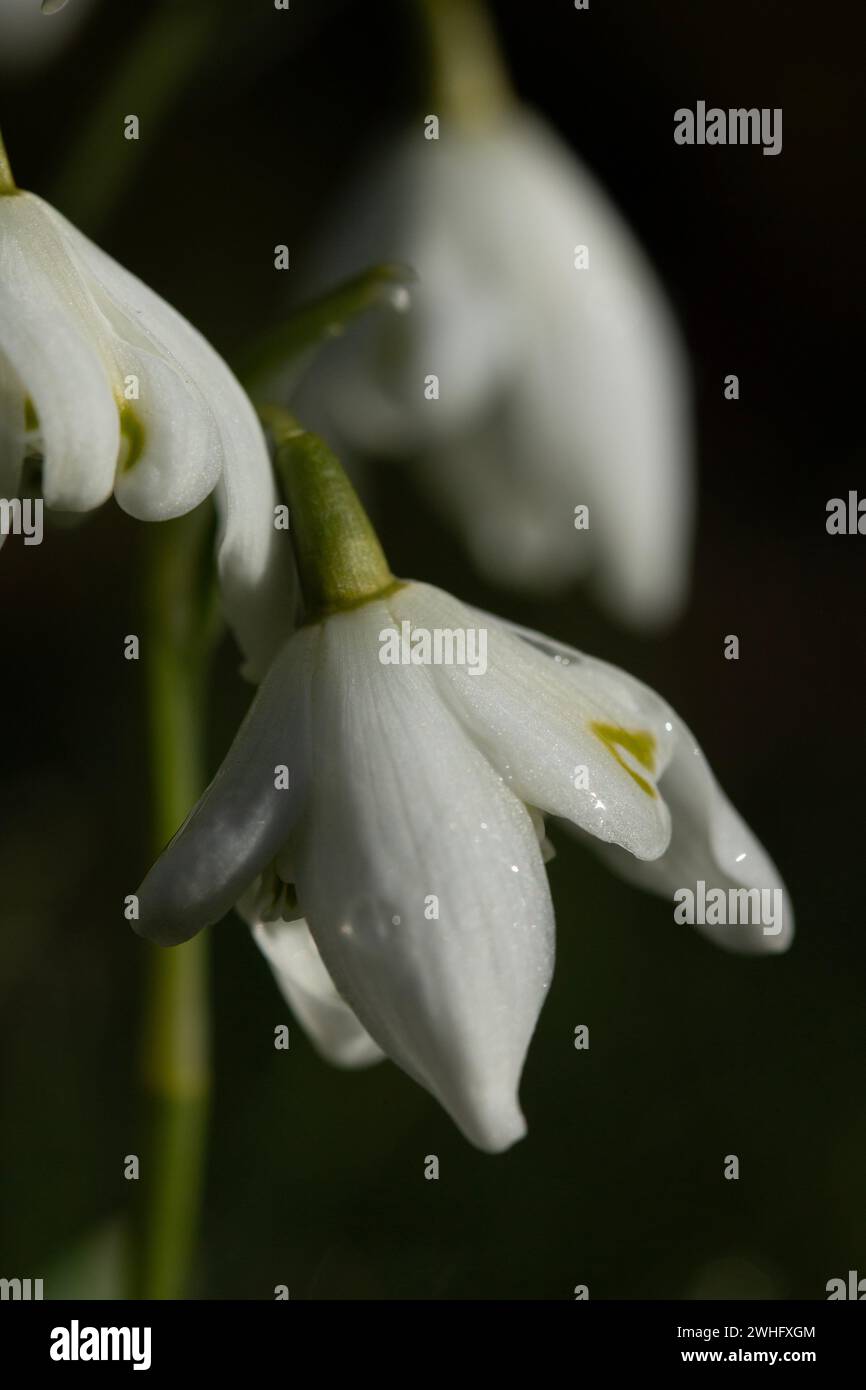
pixel 118 393
pixel 381 824
pixel 560 370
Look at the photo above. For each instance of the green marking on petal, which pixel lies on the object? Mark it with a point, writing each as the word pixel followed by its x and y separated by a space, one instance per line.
pixel 8 187
pixel 640 744
pixel 31 419
pixel 131 439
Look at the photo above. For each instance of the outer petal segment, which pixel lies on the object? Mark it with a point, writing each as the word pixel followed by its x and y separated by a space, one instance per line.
pixel 200 432
pixel 421 877
pixel 243 819
pixel 590 749
pixel 710 841
pixel 55 344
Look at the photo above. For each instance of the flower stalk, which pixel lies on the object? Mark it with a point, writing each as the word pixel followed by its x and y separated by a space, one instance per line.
pixel 468 82
pixel 175 1062
pixel 340 561
pixel 290 345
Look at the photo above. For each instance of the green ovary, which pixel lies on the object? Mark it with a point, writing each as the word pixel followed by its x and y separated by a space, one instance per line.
pixel 131 439
pixel 639 743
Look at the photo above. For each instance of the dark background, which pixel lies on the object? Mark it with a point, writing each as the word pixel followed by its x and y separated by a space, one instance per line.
pixel 315 1177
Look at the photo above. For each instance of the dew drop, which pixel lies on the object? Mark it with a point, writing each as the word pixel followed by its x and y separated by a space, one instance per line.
pixel 400 298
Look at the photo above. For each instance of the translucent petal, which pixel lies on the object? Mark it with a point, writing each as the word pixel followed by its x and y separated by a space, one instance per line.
pixel 302 978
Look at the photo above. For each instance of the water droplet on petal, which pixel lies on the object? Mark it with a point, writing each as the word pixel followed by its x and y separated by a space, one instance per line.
pixel 400 298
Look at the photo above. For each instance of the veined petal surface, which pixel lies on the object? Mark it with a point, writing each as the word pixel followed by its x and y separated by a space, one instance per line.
pixel 591 750
pixel 421 877
pixel 710 842
pixel 53 340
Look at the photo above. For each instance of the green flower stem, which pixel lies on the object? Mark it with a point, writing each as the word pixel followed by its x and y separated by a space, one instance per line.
pixel 468 81
pixel 7 183
pixel 179 638
pixel 289 346
pixel 146 82
pixel 340 561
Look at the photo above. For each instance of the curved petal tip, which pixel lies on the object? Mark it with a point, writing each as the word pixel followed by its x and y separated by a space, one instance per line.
pixel 489 1117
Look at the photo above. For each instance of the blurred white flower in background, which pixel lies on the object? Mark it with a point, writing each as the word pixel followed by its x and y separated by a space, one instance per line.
pixel 114 391
pixel 557 386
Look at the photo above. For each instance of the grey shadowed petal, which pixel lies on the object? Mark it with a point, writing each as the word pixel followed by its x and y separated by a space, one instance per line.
pixel 243 819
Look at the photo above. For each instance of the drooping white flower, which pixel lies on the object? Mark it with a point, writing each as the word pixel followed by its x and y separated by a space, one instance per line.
pixel 409 834
pixel 117 392
pixel 557 386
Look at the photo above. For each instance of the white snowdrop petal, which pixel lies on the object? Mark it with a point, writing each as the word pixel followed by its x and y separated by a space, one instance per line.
pixel 173 458
pixel 309 990
pixel 711 845
pixel 422 881
pixel 182 384
pixel 370 386
pixel 518 523
pixel 11 432
pixel 602 403
pixel 590 750
pixel 710 842
pixel 576 378
pixel 255 561
pixel 133 312
pixel 245 816
pixel 79 424
pixel 63 368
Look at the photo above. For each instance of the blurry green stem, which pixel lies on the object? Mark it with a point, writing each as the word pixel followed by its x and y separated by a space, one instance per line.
pixel 288 348
pixel 7 183
pixel 175 1060
pixel 468 82
pixel 146 81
